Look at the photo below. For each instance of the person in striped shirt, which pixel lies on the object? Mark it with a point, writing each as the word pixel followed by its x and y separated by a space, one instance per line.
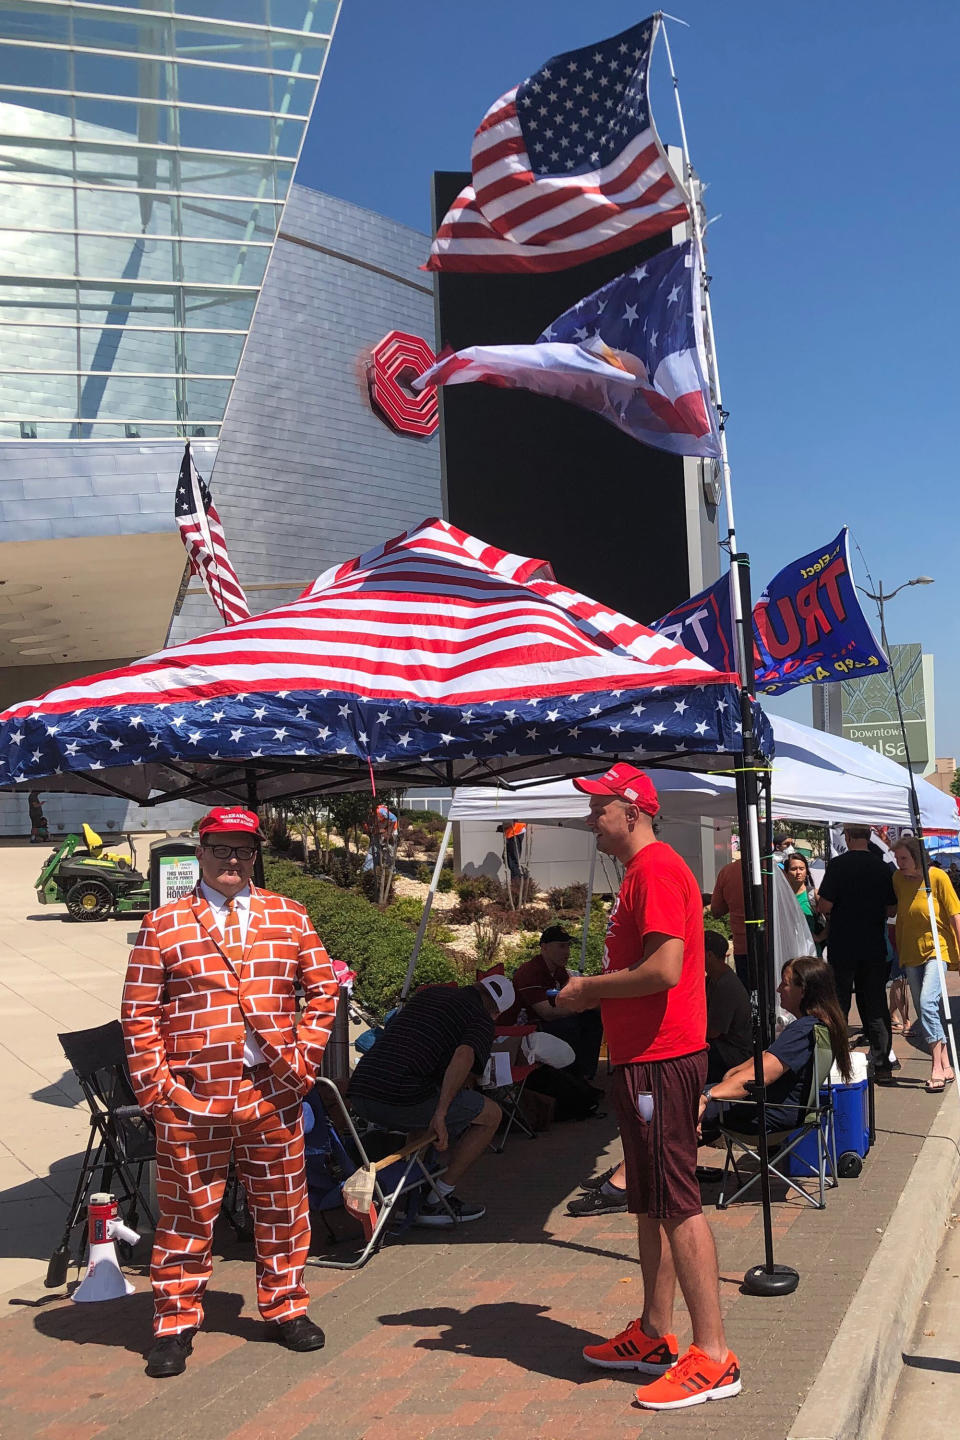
pixel 415 1078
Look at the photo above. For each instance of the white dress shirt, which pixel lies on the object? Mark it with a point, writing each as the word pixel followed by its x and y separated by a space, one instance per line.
pixel 252 1054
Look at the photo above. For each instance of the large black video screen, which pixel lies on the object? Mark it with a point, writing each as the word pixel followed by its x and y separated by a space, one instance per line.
pixel 541 477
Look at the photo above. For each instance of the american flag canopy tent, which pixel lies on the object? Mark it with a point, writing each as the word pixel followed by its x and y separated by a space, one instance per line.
pixel 434 658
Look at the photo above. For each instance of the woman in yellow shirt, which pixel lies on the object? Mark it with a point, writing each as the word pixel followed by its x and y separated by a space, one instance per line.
pixel 915 948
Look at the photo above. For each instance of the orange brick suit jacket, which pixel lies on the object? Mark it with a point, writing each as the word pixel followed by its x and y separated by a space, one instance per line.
pixel 185 1004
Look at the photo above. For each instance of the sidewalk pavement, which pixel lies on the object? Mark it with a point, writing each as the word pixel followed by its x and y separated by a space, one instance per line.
pixel 442 1335
pixel 54 976
pixel 927 1401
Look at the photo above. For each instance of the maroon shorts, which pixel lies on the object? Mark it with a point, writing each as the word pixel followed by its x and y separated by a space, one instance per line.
pixel 661 1154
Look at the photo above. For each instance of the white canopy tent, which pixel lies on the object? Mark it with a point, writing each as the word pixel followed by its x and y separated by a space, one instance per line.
pixel 816 777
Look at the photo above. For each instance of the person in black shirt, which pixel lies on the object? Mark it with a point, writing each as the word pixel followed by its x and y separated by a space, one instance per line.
pixel 414 1079
pixel 729 1022
pixel 857 895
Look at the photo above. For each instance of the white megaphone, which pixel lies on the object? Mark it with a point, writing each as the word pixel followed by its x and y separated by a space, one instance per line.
pixel 104 1279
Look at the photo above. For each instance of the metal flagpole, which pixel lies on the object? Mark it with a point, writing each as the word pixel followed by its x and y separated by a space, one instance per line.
pixel 768 1278
pixel 880 598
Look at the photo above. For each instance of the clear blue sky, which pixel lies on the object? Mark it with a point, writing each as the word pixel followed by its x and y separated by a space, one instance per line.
pixel 828 137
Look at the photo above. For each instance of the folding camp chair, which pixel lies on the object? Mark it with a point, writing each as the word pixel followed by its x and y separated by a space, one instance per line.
pixel 818 1120
pixel 508 1097
pixel 121 1143
pixel 335 1153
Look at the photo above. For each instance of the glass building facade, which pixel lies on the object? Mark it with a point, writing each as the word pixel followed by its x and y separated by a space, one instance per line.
pixel 146 151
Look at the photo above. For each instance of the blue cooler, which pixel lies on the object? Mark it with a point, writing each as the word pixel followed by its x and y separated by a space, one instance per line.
pixel 851 1118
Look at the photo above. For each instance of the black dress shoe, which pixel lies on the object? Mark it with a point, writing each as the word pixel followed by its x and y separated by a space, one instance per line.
pixel 169 1355
pixel 298 1334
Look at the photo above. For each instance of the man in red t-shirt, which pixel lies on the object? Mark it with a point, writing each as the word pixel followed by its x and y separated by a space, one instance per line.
pixel 653 999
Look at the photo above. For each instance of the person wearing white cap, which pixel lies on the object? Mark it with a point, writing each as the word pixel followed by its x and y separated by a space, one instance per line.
pixel 414 1078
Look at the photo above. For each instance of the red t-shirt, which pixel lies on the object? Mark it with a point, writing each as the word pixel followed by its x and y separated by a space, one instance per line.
pixel 658 894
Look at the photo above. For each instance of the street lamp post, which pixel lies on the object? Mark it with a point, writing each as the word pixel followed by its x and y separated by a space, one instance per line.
pixel 880 599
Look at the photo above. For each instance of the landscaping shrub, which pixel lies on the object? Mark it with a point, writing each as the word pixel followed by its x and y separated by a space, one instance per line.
pixel 372 942
pixel 478 887
pixel 470 909
pixel 535 917
pixel 569 897
pixel 408 909
pixel 717 922
pixel 342 866
pixel 596 935
pixel 488 935
pixel 430 820
pixel 445 880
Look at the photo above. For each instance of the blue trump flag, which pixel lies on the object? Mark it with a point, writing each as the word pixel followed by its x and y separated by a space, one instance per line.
pixel 808 625
pixel 704 625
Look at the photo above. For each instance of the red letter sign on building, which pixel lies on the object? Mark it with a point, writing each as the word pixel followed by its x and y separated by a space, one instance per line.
pixel 398 359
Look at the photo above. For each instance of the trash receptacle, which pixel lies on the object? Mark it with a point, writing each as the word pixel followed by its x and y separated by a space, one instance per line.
pixel 174 869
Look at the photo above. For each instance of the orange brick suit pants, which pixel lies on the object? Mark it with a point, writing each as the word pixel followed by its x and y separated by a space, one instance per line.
pixel 193 1159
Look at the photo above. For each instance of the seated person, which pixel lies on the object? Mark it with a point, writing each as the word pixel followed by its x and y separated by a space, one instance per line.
pixel 807 991
pixel 729 1022
pixel 414 1077
pixel 537 982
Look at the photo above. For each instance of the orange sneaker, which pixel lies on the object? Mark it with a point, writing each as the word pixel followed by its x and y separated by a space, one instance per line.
pixel 632 1350
pixel 692 1381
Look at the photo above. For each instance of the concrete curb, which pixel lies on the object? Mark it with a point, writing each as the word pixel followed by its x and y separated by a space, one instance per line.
pixel 851 1397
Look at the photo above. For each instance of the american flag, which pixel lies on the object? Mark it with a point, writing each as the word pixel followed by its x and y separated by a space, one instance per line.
pixel 205 543
pixel 632 352
pixel 566 166
pixel 436 658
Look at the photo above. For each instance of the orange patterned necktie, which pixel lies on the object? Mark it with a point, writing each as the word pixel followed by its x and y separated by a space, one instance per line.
pixel 233 935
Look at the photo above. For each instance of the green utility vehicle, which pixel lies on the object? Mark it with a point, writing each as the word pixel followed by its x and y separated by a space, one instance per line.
pixel 92 883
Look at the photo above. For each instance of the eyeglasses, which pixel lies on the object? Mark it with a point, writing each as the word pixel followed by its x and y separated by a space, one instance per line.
pixel 223 852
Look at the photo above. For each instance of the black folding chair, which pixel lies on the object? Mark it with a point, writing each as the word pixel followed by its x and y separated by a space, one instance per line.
pixel 817 1120
pixel 121 1143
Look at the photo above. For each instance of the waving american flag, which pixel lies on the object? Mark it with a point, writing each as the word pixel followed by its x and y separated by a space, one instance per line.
pixel 566 166
pixel 632 352
pixel 205 543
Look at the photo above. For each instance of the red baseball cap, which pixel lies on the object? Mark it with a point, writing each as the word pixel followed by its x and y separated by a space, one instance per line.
pixel 226 818
pixel 627 783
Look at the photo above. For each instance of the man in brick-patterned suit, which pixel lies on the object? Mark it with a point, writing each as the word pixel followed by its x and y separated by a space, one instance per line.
pixel 208 1017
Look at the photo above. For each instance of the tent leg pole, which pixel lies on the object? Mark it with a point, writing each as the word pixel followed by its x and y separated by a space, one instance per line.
pixel 250 777
pixel 768 864
pixel 428 902
pixel 586 911
pixel 768 1278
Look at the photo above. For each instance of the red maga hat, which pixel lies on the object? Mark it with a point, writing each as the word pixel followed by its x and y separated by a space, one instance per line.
pixel 230 819
pixel 627 783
